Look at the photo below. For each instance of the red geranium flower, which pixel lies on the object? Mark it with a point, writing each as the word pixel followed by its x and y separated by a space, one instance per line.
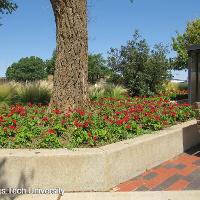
pixel 157 117
pixel 5 129
pixel 30 105
pixel 119 122
pixel 86 124
pixel 51 131
pixel 57 111
pixel 81 112
pixel 128 126
pixel 89 134
pixel 14 121
pixel 45 119
pixel 77 124
pixel 95 138
pixel 164 123
pixel 67 115
pixel 137 118
pixel 11 127
pixel 1 119
pixel 186 104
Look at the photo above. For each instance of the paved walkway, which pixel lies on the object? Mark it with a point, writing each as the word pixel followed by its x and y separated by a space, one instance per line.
pixel 181 173
pixel 183 195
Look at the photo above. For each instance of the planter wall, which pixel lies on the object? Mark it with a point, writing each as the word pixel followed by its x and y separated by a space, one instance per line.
pixel 97 169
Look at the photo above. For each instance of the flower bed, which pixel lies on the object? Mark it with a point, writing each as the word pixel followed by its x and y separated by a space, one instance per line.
pixel 176 94
pixel 106 121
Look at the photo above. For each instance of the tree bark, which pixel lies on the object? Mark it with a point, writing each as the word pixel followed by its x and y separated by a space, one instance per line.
pixel 71 68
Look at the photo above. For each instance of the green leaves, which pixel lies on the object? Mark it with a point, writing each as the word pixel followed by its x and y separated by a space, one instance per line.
pixel 27 69
pixel 108 120
pixel 96 68
pixel 51 142
pixel 141 70
pixel 7 6
pixel 181 42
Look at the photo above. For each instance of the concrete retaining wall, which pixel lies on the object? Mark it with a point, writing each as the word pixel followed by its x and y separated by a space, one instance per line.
pixel 96 169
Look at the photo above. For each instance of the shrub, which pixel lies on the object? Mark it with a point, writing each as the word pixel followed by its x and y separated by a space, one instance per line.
pixel 27 69
pixel 142 71
pixel 97 68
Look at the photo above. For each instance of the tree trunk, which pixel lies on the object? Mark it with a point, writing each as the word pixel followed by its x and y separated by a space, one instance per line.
pixel 71 68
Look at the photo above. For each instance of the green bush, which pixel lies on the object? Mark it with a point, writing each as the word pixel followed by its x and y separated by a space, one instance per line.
pixel 141 70
pixel 97 67
pixel 27 69
pixel 181 42
pixel 50 64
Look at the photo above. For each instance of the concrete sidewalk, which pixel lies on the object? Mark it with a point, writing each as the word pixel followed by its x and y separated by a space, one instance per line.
pixel 183 195
pixel 180 173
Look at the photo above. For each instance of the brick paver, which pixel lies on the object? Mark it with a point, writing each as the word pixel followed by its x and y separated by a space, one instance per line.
pixel 180 173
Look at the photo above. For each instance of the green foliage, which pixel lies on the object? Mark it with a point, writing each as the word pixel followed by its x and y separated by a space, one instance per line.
pixel 35 94
pixel 183 86
pixel 7 6
pixel 141 70
pixel 181 42
pixel 24 94
pixel 96 68
pixel 108 90
pixel 176 91
pixel 27 69
pixel 50 64
pixel 107 120
pixel 50 142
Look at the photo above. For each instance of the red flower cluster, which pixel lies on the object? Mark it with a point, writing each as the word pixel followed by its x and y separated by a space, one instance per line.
pixel 108 120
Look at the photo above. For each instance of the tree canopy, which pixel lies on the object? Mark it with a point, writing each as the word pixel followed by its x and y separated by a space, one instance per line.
pixel 141 70
pixel 7 6
pixel 27 69
pixel 97 67
pixel 181 42
pixel 50 64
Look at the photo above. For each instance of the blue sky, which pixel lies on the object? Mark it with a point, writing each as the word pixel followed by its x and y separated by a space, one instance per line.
pixel 31 29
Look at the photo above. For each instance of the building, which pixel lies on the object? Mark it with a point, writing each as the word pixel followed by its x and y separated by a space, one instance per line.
pixel 194 73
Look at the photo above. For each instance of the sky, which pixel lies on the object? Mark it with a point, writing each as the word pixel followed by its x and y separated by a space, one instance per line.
pixel 30 31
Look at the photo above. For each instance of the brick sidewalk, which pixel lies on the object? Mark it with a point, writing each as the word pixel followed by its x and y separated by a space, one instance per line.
pixel 181 173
